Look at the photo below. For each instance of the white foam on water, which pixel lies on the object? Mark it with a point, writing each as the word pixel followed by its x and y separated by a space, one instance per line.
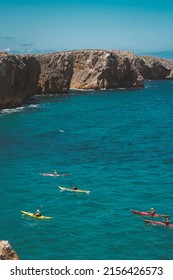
pixel 14 110
pixel 18 109
pixel 33 106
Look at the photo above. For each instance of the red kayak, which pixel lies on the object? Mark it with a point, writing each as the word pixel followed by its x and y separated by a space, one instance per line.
pixel 148 214
pixel 158 223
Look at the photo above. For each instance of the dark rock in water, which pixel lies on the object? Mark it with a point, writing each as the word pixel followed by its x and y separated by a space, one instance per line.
pixel 6 252
pixel 18 79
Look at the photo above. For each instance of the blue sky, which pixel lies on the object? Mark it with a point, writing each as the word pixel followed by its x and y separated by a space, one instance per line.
pixel 138 26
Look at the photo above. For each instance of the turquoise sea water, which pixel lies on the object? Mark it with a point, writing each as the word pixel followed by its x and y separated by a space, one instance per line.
pixel 117 144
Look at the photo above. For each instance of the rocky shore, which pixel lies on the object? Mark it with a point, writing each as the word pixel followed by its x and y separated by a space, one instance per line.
pixel 23 76
pixel 6 252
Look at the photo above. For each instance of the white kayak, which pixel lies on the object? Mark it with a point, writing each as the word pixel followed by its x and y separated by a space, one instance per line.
pixel 72 190
pixel 53 175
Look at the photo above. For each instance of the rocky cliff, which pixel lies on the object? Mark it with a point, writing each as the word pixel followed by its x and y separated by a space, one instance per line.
pixel 6 252
pixel 56 72
pixel 18 79
pixel 97 69
pixel 154 68
pixel 27 75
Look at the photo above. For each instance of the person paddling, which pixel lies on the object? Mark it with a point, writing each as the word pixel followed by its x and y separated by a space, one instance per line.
pixel 152 211
pixel 55 172
pixel 167 221
pixel 74 187
pixel 38 213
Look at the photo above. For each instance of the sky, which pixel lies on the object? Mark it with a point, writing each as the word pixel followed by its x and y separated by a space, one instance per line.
pixel 55 25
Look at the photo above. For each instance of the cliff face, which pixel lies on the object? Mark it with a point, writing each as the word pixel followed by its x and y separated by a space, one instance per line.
pixel 27 75
pixel 154 68
pixel 99 69
pixel 104 70
pixel 6 252
pixel 87 69
pixel 18 79
pixel 56 72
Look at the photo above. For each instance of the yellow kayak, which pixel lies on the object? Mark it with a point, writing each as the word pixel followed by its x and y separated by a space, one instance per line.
pixel 34 216
pixel 71 190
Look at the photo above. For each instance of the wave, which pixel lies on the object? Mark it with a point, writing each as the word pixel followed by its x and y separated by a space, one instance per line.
pixel 10 111
pixel 18 109
pixel 33 106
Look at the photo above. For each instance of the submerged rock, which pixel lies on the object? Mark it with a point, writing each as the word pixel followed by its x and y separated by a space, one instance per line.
pixel 6 252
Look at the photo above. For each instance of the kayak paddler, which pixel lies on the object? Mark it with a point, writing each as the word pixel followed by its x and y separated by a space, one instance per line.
pixel 55 172
pixel 74 187
pixel 38 213
pixel 167 221
pixel 152 211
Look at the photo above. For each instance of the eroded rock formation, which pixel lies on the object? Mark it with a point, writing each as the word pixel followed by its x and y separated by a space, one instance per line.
pixel 27 75
pixel 56 72
pixel 97 69
pixel 6 252
pixel 154 68
pixel 18 79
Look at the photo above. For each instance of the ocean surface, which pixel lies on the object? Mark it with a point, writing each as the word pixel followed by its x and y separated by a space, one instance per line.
pixel 118 144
